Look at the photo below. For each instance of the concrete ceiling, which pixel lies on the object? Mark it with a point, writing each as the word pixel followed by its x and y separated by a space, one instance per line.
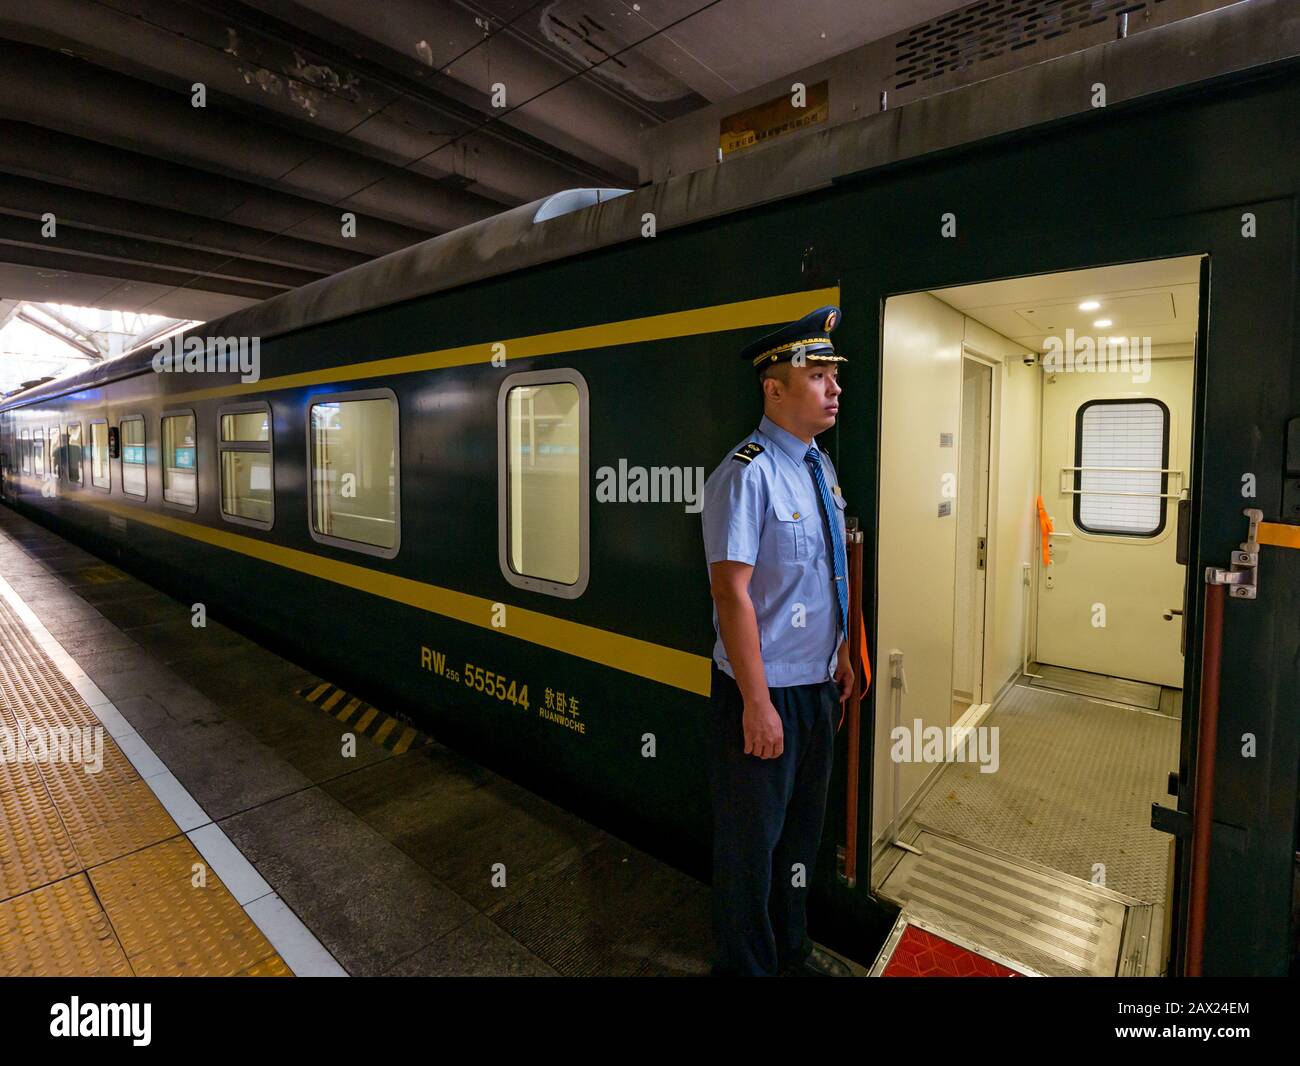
pixel 317 107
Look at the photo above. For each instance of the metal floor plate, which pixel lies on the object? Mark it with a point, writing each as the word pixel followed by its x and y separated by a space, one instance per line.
pixel 1053 924
pixel 1114 689
pixel 1073 789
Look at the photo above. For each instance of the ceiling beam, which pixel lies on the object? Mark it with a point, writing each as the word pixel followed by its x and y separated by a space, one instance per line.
pixel 55 92
pixel 63 159
pixel 124 218
pixel 58 334
pixel 75 330
pixel 52 259
pixel 18 231
pixel 278 75
pixel 576 120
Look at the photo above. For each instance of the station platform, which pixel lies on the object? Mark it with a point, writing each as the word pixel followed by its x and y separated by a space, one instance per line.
pixel 226 833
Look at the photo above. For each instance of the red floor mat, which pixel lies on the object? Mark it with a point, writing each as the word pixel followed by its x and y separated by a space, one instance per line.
pixel 922 954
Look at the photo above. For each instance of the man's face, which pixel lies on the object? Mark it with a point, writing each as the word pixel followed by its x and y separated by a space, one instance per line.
pixel 810 398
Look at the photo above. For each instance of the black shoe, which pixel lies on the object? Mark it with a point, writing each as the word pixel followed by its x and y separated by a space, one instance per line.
pixel 820 964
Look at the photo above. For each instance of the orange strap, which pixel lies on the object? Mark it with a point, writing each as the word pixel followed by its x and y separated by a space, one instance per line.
pixel 864 680
pixel 866 659
pixel 1045 527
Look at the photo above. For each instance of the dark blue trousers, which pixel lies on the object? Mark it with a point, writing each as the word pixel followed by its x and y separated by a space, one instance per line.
pixel 767 816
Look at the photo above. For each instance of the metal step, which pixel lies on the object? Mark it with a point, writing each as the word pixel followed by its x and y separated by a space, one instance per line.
pixel 1044 920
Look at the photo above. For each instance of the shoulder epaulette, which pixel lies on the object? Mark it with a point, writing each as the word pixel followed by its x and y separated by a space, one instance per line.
pixel 748 452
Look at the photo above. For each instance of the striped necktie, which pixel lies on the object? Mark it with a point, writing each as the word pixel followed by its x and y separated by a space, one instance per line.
pixel 841 569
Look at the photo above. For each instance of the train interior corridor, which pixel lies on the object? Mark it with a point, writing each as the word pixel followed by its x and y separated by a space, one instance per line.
pixel 1035 446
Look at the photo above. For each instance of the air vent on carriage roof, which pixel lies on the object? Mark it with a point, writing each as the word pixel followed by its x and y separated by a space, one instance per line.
pixel 992 28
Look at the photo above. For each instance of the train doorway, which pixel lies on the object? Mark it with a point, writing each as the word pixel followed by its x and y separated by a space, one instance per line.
pixel 1036 439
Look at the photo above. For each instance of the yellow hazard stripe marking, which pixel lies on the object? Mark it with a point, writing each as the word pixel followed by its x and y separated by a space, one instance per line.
pixel 764 311
pixel 1279 535
pixel 388 726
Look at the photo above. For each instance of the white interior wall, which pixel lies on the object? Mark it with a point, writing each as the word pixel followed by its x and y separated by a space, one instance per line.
pixel 921 392
pixel 921 398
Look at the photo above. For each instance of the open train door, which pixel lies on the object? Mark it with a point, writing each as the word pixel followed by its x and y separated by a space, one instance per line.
pixel 1226 900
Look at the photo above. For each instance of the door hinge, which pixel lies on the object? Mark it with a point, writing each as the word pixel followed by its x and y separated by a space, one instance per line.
pixel 1232 838
pixel 981 548
pixel 1242 578
pixel 1168 820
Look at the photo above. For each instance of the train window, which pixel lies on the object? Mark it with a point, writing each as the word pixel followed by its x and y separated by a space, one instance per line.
pixel 131 431
pixel 353 444
pixel 180 460
pixel 1121 451
pixel 73 457
pixel 245 443
pixel 542 483
pixel 54 452
pixel 25 450
pixel 246 425
pixel 38 454
pixel 99 466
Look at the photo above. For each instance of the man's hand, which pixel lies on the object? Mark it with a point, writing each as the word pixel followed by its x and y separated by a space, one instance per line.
pixel 844 672
pixel 764 735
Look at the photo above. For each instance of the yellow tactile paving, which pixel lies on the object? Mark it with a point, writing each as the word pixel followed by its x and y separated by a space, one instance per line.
pixel 110 813
pixel 165 896
pixel 66 830
pixel 272 967
pixel 16 772
pixel 35 848
pixel 59 930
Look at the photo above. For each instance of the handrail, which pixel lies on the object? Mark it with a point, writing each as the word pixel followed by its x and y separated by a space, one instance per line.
pixel 854 714
pixel 1203 802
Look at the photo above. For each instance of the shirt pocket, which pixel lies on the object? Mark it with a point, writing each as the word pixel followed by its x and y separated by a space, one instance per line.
pixel 792 533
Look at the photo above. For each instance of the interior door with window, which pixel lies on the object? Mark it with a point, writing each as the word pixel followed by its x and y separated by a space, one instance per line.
pixel 972 535
pixel 1115 459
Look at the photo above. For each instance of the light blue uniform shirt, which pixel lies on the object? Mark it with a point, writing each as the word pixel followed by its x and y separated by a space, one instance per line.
pixel 765 513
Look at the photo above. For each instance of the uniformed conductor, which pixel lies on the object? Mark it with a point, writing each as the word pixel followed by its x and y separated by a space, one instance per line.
pixel 774 539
